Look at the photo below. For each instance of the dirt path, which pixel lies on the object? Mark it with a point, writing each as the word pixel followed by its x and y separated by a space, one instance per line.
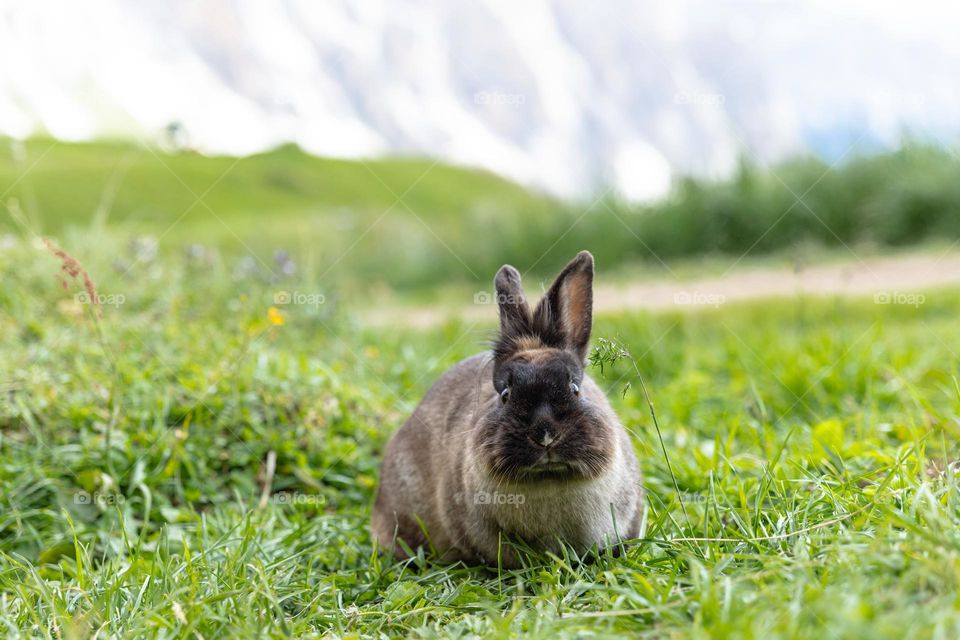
pixel 895 280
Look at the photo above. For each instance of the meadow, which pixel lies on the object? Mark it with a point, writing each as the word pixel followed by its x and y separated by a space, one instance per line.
pixel 812 479
pixel 196 454
pixel 411 224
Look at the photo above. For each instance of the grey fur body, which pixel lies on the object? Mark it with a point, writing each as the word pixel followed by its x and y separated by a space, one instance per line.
pixel 438 489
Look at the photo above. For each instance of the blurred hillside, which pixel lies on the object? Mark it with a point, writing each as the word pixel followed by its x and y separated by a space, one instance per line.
pixel 410 222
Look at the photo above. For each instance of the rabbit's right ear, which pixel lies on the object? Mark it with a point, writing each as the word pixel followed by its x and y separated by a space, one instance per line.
pixel 514 312
pixel 564 317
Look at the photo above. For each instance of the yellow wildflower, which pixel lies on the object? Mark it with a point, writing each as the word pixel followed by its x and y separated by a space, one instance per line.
pixel 275 317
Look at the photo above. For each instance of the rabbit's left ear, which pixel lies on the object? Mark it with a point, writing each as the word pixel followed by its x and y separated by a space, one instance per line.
pixel 564 318
pixel 514 312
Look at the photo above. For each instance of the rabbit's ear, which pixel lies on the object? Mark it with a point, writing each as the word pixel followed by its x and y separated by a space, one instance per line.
pixel 564 318
pixel 514 312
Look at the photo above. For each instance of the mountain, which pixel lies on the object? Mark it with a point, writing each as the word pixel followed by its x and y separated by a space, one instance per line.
pixel 567 96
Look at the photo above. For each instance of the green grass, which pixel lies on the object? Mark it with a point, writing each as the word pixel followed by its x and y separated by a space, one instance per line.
pixel 407 223
pixel 370 220
pixel 814 444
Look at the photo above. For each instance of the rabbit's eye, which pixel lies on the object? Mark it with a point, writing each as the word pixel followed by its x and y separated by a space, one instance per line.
pixel 574 388
pixel 505 395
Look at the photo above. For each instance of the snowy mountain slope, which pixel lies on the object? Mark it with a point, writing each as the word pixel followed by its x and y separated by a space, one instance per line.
pixel 565 95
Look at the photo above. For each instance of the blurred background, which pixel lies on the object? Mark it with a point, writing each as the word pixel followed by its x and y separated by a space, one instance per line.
pixel 400 145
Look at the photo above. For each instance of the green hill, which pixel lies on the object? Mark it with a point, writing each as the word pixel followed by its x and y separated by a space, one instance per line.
pixel 411 222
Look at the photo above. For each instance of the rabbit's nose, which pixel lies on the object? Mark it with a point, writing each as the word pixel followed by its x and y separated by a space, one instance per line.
pixel 543 438
pixel 544 431
pixel 545 435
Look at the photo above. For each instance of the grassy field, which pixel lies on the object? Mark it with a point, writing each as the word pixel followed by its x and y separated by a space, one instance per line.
pixel 408 224
pixel 197 455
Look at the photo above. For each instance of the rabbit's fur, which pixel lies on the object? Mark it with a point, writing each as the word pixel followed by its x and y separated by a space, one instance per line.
pixel 517 443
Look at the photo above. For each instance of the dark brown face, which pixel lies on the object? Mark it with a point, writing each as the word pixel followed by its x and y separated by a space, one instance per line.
pixel 543 427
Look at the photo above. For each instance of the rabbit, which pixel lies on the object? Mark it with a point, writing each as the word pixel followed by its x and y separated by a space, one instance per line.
pixel 518 443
